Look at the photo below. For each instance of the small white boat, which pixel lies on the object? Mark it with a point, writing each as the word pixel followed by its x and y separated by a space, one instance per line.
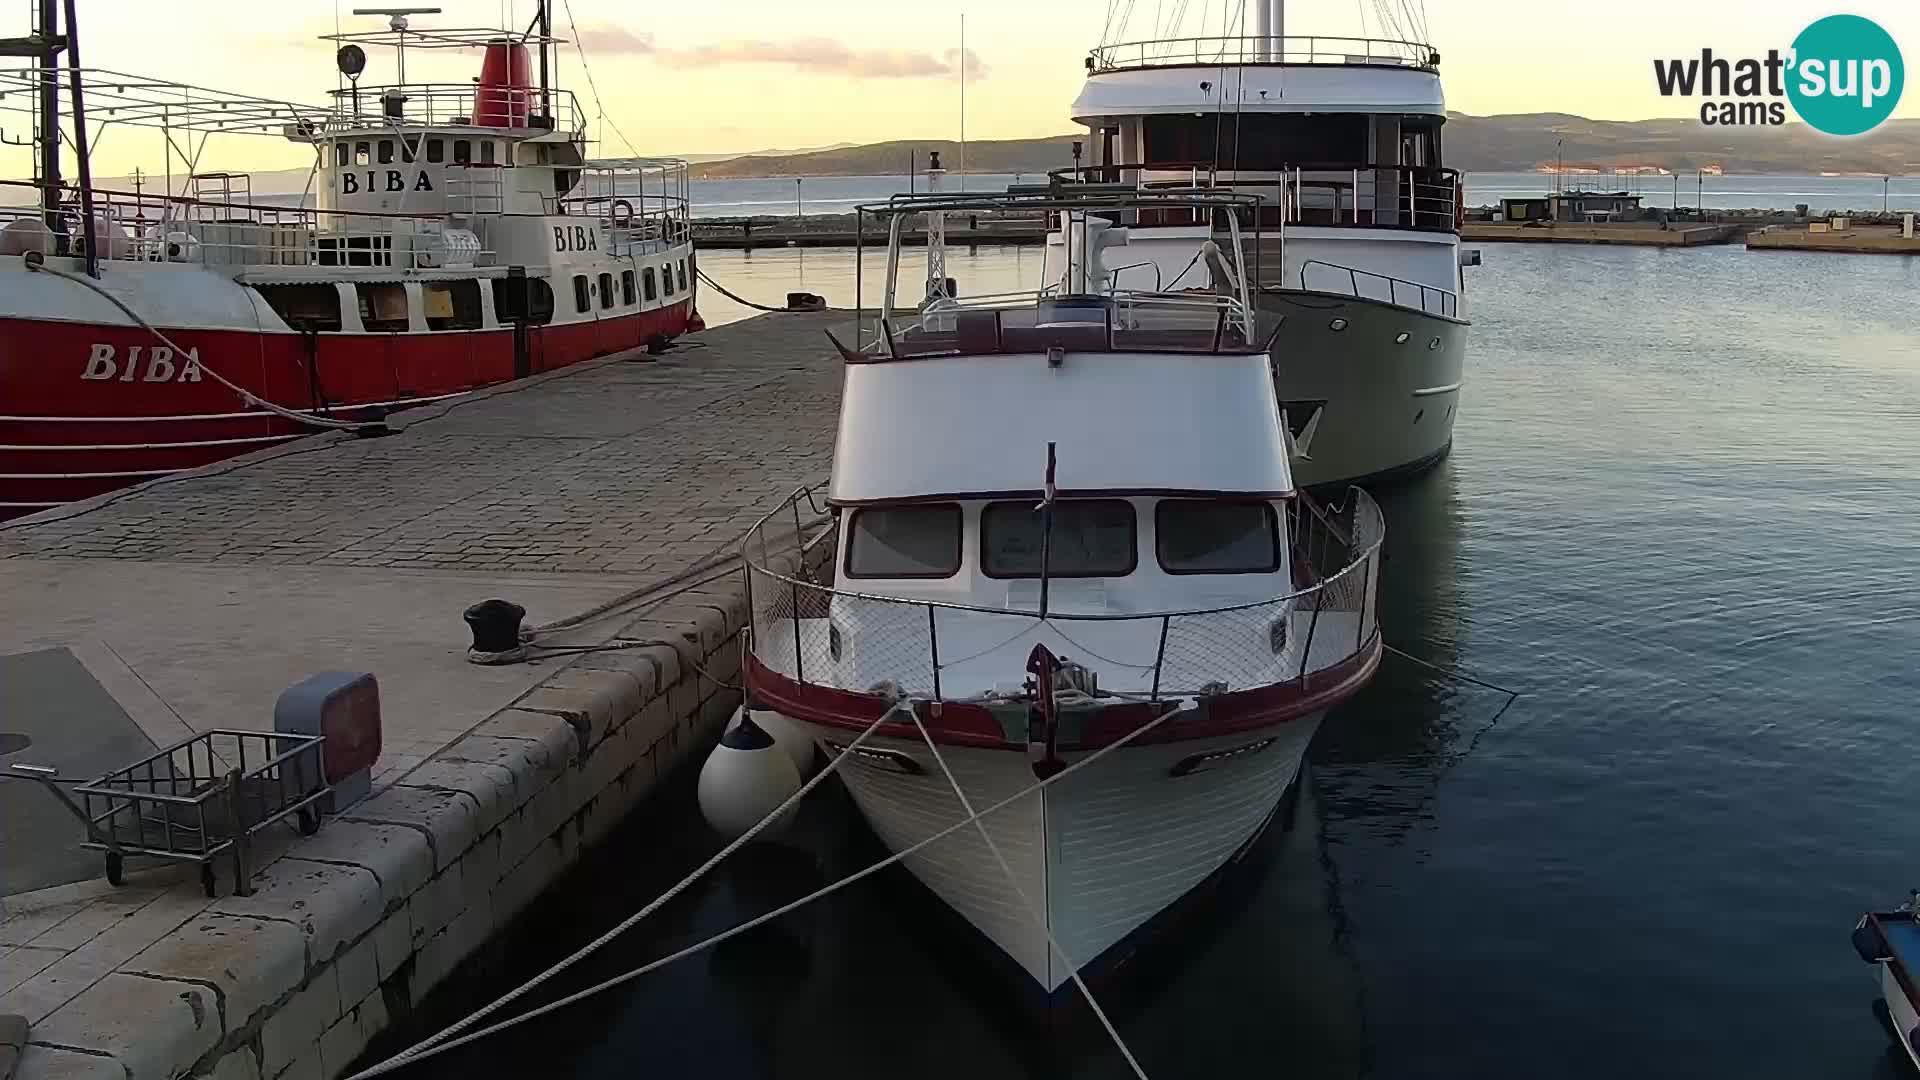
pixel 1891 941
pixel 1064 531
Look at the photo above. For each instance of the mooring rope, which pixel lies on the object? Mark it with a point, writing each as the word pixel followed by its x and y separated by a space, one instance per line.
pixel 439 1042
pixel 736 297
pixel 447 1039
pixel 1039 919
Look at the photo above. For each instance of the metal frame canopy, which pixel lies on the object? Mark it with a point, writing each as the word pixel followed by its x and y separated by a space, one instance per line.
pixel 115 97
pixel 1059 194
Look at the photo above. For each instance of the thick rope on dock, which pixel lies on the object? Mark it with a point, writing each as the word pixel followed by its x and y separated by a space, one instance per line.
pixel 736 297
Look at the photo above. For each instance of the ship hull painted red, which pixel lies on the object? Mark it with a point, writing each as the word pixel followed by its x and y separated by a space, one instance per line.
pixel 78 420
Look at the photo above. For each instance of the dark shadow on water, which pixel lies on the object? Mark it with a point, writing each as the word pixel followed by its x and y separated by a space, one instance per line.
pixel 881 979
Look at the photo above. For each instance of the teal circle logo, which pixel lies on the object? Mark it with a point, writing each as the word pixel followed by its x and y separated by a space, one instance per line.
pixel 1847 75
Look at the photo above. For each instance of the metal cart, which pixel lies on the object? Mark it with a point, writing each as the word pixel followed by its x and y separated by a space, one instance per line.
pixel 198 800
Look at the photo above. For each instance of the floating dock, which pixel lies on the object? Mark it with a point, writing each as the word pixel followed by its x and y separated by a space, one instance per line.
pixel 1863 239
pixel 1633 233
pixel 189 603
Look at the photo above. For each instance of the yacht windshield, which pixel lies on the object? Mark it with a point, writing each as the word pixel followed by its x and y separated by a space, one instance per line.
pixel 1091 538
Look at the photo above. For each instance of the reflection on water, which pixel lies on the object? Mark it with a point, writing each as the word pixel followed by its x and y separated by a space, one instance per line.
pixel 1680 518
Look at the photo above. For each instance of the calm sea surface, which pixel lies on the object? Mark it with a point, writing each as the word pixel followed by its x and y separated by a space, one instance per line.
pixel 1680 518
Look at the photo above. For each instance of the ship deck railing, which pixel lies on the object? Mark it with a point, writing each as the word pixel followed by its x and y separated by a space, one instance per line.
pixel 1041 320
pixel 807 627
pixel 524 111
pixel 1254 49
pixel 1324 194
pixel 153 228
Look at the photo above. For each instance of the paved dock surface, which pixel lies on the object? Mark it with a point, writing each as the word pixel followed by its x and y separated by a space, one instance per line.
pixel 191 603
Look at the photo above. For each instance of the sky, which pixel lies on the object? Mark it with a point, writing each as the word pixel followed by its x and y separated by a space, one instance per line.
pixel 744 75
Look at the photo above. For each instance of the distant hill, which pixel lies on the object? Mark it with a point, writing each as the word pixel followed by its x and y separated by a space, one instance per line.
pixel 897 157
pixel 1516 142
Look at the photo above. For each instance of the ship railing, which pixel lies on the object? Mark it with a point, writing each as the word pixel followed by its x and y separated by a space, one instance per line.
pixel 643 205
pixel 148 227
pixel 410 105
pixel 1426 198
pixel 635 224
pixel 808 627
pixel 1037 320
pixel 1318 275
pixel 1249 49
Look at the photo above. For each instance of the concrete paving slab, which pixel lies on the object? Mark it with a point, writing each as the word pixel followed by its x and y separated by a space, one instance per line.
pixel 68 720
pixel 194 603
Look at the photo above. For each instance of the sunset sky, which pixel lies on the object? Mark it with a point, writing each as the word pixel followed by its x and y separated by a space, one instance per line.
pixel 742 75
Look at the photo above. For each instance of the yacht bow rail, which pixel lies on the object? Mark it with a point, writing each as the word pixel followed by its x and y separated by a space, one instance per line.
pixel 1397 291
pixel 807 629
pixel 1209 51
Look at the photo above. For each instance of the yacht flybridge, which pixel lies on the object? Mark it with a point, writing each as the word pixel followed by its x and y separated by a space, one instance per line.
pixel 451 236
pixel 1339 138
pixel 1069 583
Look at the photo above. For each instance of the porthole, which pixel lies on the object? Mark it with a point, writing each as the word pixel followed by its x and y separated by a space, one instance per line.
pixel 1337 325
pixel 1434 344
pixel 1401 338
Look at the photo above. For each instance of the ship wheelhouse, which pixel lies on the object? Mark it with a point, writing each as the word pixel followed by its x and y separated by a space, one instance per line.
pixel 1330 133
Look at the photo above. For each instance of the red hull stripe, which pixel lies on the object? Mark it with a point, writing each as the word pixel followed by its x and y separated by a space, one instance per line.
pixel 90 409
pixel 970 725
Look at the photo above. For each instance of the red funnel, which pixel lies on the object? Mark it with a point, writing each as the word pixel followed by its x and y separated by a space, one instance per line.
pixel 504 93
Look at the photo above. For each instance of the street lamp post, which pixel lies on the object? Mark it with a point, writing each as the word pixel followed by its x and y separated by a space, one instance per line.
pixel 798 211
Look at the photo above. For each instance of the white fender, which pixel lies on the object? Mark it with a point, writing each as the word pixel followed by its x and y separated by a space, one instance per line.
pixel 745 778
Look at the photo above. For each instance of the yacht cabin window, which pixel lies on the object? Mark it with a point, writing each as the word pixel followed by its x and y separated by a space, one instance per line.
pixel 343 154
pixel 1215 536
pixel 386 151
pixel 919 541
pixel 646 279
pixel 436 150
pixel 1091 538
pixel 462 152
pixel 606 290
pixel 486 151
pixel 626 287
pixel 410 149
pixel 580 290
pixel 683 275
pixel 363 153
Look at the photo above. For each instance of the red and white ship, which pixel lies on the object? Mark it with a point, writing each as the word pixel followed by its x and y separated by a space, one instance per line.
pixel 453 236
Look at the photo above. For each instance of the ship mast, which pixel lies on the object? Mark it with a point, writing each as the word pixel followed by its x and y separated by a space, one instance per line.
pixel 46 45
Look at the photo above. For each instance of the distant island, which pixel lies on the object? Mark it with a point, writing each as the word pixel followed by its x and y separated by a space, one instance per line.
pixel 1516 142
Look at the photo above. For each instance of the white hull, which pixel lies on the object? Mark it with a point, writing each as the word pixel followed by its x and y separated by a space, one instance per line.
pixel 1096 854
pixel 1901 1012
pixel 1386 406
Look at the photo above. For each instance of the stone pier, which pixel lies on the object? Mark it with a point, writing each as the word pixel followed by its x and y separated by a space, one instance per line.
pixel 138 619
